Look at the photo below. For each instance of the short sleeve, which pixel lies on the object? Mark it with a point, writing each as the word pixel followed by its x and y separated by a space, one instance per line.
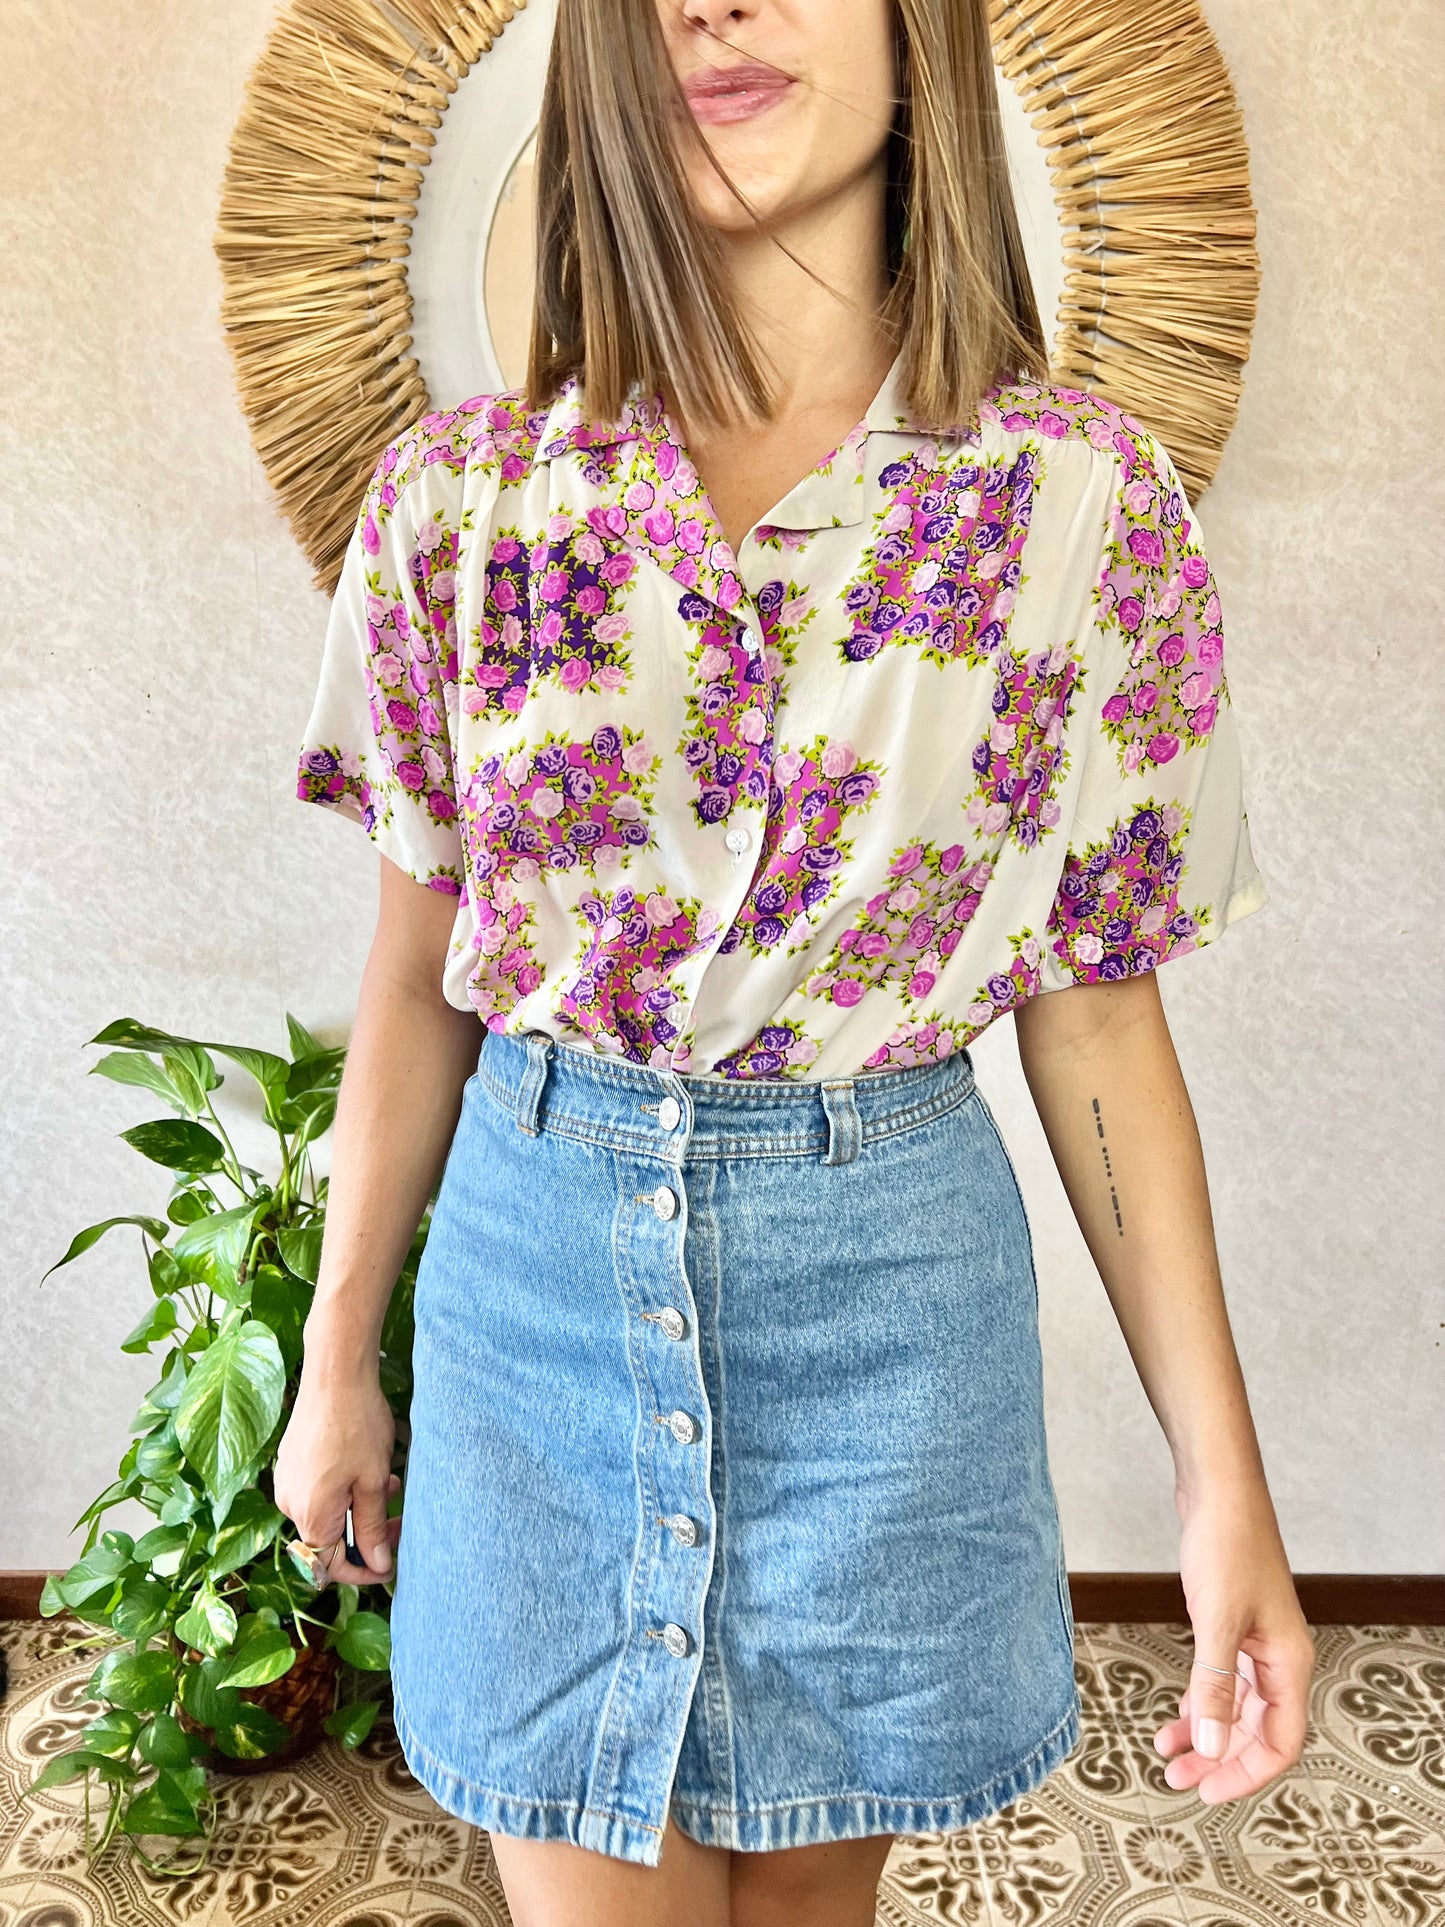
pixel 1159 859
pixel 378 744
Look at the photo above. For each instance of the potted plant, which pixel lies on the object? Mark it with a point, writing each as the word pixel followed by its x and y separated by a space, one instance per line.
pixel 220 1652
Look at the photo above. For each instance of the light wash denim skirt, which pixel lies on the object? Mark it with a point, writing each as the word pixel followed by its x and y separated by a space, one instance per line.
pixel 727 1493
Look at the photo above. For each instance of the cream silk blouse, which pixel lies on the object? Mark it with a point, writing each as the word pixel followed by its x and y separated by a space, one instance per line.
pixel 950 731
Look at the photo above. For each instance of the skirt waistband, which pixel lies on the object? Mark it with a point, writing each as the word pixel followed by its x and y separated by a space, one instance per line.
pixel 548 1085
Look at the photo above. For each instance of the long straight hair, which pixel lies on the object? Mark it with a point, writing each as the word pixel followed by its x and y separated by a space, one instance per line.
pixel 632 285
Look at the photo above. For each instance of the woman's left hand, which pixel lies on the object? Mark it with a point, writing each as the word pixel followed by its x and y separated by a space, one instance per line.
pixel 1236 1734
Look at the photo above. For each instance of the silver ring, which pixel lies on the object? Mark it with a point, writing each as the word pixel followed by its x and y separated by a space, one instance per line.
pixel 1230 1672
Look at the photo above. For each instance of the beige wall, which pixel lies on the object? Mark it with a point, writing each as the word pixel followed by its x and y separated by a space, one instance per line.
pixel 162 637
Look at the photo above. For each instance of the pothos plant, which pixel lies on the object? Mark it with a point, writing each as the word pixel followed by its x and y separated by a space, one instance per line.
pixel 207 1605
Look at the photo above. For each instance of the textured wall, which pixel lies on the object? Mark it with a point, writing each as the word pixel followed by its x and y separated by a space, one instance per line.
pixel 162 642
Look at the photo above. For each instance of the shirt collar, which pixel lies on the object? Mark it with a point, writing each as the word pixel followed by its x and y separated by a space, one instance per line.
pixel 832 494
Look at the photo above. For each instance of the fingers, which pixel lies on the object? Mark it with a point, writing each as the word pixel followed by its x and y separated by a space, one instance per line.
pixel 1213 1695
pixel 368 1524
pixel 376 1538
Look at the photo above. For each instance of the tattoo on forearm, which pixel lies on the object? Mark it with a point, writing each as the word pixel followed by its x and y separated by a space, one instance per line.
pixel 1108 1167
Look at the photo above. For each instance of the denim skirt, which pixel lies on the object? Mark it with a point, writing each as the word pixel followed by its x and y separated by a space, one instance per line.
pixel 727 1494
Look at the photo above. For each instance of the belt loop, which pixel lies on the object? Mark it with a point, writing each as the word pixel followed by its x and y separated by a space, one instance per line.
pixel 529 1092
pixel 845 1127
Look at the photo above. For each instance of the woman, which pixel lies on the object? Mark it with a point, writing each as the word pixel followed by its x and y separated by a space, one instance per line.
pixel 794 685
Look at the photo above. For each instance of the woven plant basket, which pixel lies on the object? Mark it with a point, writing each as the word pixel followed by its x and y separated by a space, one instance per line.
pixel 302 1697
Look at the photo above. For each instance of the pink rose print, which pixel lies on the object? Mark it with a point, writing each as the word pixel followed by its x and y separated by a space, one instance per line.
pixel 779 1050
pixel 811 792
pixel 922 1040
pixel 1117 911
pixel 507 969
pixel 411 662
pixel 943 570
pixel 908 927
pixel 1158 591
pixel 550 611
pixel 619 994
pixel 1019 761
pixel 560 804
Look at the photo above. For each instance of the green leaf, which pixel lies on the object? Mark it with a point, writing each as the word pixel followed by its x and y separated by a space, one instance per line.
pixel 281 1300
pixel 166 1806
pixel 365 1642
pixel 113 1734
pixel 133 1036
pixel 156 1228
pixel 303 1044
pixel 167 1394
pixel 70 1765
pixel 351 1723
pixel 130 1067
pixel 165 1742
pixel 300 1246
pixel 182 1067
pixel 163 1548
pixel 252 1524
pixel 98 1572
pixel 198 1064
pixel 269 1071
pixel 308 1117
pixel 206 1702
pixel 262 1653
pixel 186 1206
pixel 119 1489
pixel 178 1144
pixel 252 1734
pixel 208 1623
pixel 159 1322
pixel 182 1503
pixel 159 1457
pixel 142 1610
pixel 231 1404
pixel 278 1592
pixel 52 1599
pixel 213 1248
pixel 142 1682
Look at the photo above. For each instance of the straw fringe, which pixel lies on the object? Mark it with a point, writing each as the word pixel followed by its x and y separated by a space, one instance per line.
pixel 1130 100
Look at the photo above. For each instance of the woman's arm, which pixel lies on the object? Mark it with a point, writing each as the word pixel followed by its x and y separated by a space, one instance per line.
pixel 409 1056
pixel 1101 1067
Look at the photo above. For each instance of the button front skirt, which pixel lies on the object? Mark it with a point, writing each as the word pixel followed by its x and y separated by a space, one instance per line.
pixel 735 1505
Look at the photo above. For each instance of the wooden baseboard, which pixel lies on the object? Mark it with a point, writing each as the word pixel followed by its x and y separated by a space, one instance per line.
pixel 1328 1598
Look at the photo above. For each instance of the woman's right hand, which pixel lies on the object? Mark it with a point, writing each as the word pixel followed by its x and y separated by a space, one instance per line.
pixel 336 1452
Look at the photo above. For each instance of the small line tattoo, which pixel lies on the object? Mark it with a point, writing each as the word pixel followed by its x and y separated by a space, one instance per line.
pixel 1108 1166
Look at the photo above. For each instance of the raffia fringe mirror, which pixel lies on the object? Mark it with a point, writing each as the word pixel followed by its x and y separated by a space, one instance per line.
pixel 375 233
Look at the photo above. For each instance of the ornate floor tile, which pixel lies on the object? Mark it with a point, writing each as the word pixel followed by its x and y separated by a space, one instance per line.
pixel 1354 1837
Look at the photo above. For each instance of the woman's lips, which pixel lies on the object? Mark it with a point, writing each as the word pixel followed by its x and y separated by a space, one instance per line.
pixel 734 93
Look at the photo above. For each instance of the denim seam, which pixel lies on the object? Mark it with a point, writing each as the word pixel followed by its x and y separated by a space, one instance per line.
pixel 442 1771
pixel 618 1137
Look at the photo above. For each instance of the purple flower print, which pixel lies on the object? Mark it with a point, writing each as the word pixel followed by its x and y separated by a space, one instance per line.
pixel 1116 909
pixel 729 720
pixel 559 803
pixel 812 791
pixel 1020 759
pixel 907 929
pixel 620 994
pixel 778 1050
pixel 919 602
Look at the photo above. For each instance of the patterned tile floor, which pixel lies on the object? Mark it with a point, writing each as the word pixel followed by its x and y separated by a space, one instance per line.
pixel 1353 1837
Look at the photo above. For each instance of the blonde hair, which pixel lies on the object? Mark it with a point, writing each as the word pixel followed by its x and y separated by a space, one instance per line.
pixel 631 285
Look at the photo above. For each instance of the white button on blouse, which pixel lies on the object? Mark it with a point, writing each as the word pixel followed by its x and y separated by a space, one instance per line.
pixel 983 721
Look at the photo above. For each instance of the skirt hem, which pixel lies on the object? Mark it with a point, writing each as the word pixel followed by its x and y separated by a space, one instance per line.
pixel 796 1823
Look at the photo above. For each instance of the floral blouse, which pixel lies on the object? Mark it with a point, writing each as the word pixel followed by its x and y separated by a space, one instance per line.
pixel 951 730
